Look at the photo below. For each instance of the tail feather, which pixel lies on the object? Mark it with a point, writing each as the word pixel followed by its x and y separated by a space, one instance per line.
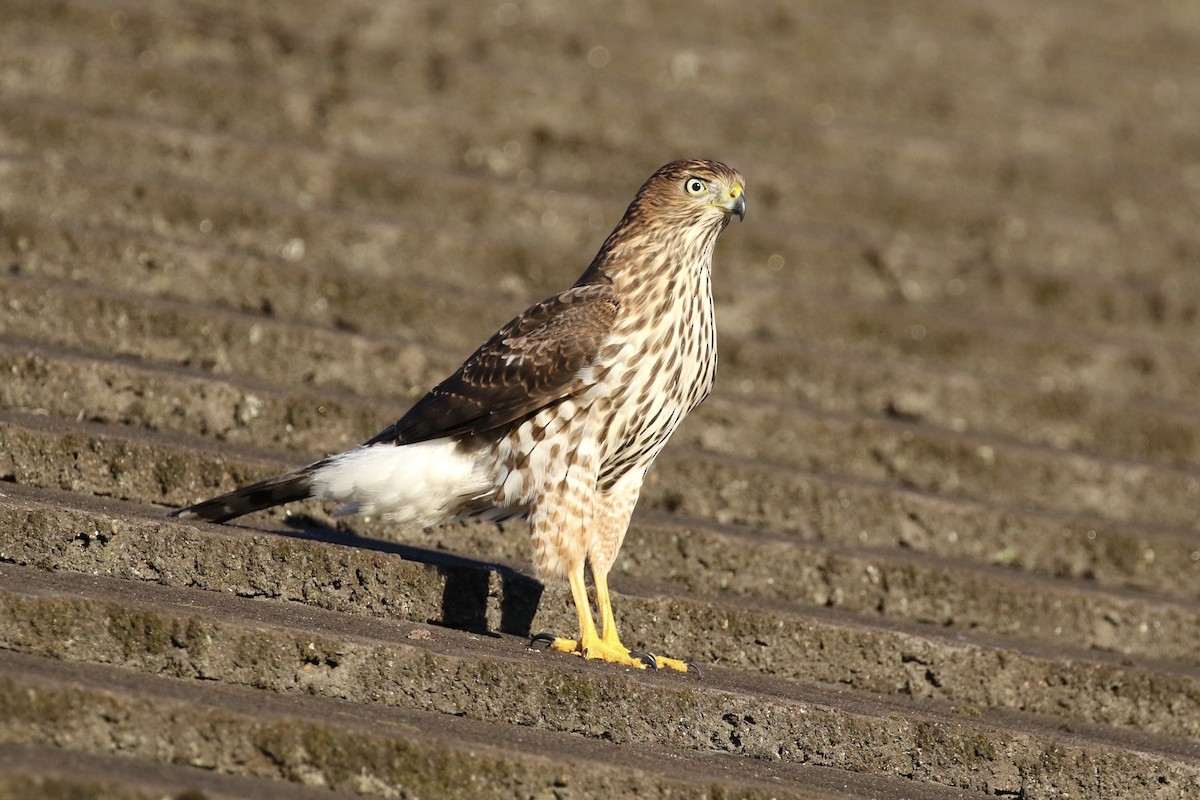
pixel 426 483
pixel 276 491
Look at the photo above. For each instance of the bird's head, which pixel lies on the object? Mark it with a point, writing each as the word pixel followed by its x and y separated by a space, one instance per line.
pixel 694 192
pixel 673 222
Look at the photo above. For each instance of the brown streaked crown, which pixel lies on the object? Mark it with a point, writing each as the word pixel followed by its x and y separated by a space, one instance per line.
pixel 665 219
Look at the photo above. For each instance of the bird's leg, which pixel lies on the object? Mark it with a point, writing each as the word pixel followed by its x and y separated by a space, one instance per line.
pixel 608 629
pixel 590 645
pixel 608 625
pixel 587 626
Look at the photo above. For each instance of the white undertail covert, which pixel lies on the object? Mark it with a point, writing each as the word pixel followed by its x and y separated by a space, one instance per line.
pixel 419 484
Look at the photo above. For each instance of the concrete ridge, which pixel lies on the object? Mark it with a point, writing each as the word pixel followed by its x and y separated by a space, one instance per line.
pixel 936 533
pixel 41 771
pixel 123 542
pixel 300 660
pixel 690 483
pixel 434 738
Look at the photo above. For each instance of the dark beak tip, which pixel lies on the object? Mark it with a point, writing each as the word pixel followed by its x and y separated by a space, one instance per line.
pixel 739 207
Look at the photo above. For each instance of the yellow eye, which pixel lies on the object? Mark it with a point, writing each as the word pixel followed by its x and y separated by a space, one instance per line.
pixel 694 186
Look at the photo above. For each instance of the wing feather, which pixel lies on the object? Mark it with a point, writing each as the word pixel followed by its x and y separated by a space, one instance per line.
pixel 532 362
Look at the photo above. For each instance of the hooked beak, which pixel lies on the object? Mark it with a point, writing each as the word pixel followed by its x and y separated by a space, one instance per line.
pixel 736 204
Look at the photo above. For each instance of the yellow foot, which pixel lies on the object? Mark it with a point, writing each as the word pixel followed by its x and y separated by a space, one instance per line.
pixel 662 662
pixel 598 650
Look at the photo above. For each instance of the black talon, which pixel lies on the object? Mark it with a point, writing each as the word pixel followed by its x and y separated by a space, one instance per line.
pixel 543 637
pixel 642 655
pixel 691 667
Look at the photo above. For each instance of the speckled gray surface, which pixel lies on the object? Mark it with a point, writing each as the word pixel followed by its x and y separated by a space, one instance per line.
pixel 936 533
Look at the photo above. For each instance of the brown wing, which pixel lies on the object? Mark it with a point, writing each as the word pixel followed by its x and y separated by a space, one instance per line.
pixel 529 364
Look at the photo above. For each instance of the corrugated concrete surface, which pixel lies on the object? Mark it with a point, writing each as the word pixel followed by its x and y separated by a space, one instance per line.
pixel 936 533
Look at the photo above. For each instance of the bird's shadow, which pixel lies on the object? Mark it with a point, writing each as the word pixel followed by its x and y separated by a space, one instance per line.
pixel 466 580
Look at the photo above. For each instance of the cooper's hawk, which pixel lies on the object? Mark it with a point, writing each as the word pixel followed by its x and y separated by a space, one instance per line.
pixel 558 416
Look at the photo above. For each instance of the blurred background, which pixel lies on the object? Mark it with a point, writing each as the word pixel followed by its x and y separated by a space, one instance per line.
pixel 943 503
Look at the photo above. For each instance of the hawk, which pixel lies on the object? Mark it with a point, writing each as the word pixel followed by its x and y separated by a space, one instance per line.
pixel 557 417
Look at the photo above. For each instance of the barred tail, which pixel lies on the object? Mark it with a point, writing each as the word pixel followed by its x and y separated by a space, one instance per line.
pixel 296 485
